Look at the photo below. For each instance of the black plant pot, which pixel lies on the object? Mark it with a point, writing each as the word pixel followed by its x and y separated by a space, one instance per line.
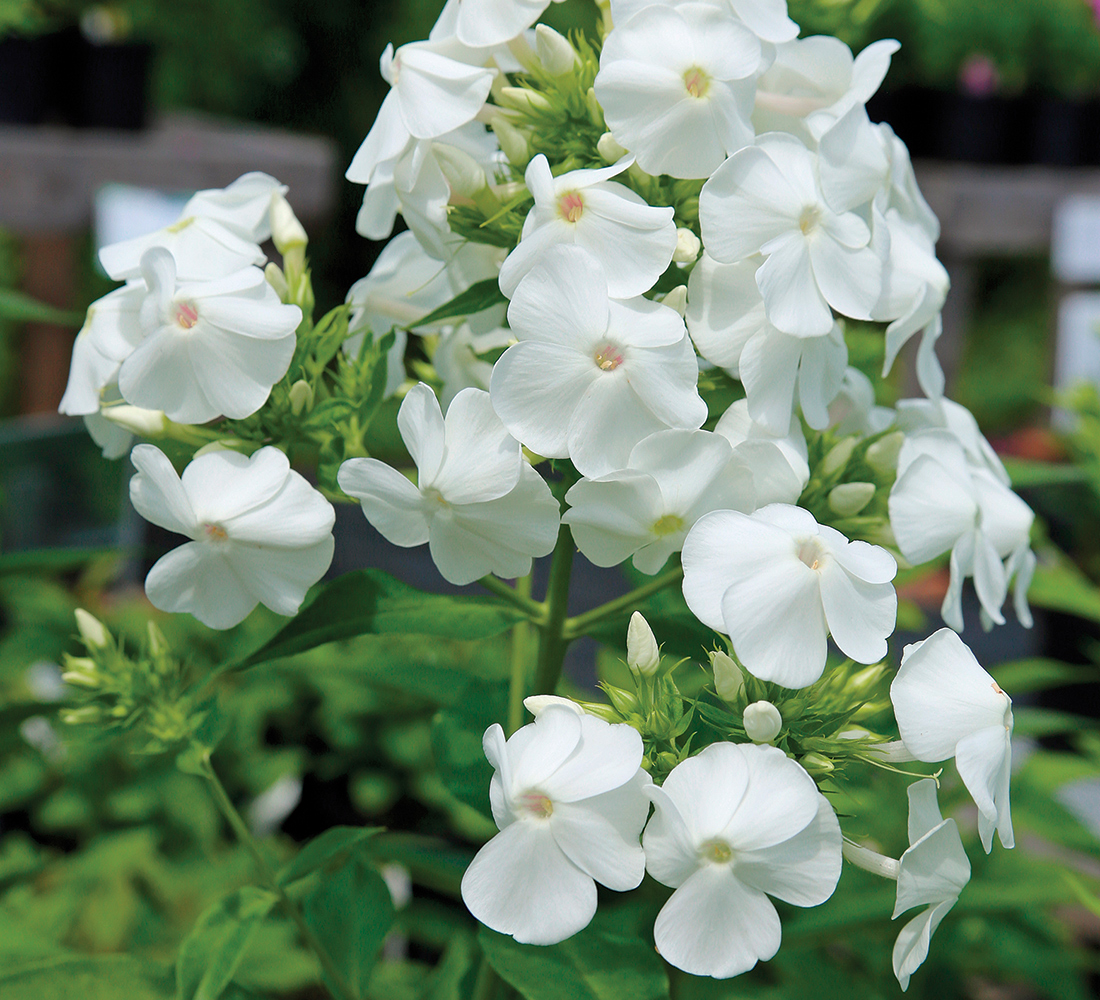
pixel 24 96
pixel 114 82
pixel 1059 134
pixel 981 129
pixel 913 113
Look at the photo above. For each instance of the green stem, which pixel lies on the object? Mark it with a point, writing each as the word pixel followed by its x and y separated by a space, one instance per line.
pixel 536 610
pixel 552 639
pixel 521 637
pixel 574 627
pixel 271 881
pixel 487 982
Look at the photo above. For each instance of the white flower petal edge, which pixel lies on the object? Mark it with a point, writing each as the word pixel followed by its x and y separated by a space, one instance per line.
pixel 259 533
pixel 568 796
pixel 733 825
pixel 948 706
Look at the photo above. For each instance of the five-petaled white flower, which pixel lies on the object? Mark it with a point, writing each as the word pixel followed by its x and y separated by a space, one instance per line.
pixel 567 795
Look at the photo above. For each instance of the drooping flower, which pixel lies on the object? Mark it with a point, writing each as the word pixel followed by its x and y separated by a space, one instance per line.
pixel 260 534
pixel 632 240
pixel 592 376
pixel 948 706
pixel 209 349
pixel 777 583
pixel 568 797
pixel 932 872
pixel 478 504
pixel 676 85
pixel 645 510
pixel 734 825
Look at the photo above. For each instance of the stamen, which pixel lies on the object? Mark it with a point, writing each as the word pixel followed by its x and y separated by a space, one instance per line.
pixel 186 315
pixel 571 206
pixel 697 82
pixel 215 532
pixel 717 851
pixel 538 805
pixel 808 220
pixel 608 357
pixel 669 524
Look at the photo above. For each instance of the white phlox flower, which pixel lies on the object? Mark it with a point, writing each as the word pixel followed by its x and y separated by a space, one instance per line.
pixel 676 84
pixel 671 479
pixel 777 583
pixel 766 199
pixel 568 796
pixel 945 414
pixel 592 376
pixel 854 411
pixel 458 360
pixel 434 89
pixel 631 239
pixel 211 348
pixel 734 825
pixel 948 706
pixel 778 462
pixel 489 22
pixel 478 504
pixel 243 206
pixel 932 873
pixel 942 502
pixel 260 534
pixel 814 81
pixel 767 19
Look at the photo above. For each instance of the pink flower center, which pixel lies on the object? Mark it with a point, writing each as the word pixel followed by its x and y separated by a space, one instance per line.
pixel 571 206
pixel 697 82
pixel 186 314
pixel 537 805
pixel 214 532
pixel 608 357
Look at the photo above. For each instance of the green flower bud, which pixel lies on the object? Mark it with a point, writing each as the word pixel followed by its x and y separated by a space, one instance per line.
pixel 729 681
pixel 287 232
pixel 595 112
pixel 883 454
pixel 523 99
pixel 513 142
pixel 848 499
pixel 623 701
pixel 91 630
pixel 838 456
pixel 143 423
pixel 555 53
pixel 301 397
pixel 642 655
pixel 462 171
pixel 277 280
pixel 815 763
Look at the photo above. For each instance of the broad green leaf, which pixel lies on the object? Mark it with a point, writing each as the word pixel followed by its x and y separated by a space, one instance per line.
pixel 324 849
pixel 1025 676
pixel 1025 472
pixel 453 972
pixel 1061 586
pixel 456 742
pixel 49 561
pixel 591 965
pixel 370 602
pixel 479 296
pixel 1046 721
pixel 22 308
pixel 210 954
pixel 432 863
pixel 351 912
pixel 86 977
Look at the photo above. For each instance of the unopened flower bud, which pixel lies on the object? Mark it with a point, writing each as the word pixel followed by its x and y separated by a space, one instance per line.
pixel 81 678
pixel 609 148
pixel 513 143
pixel 642 654
pixel 677 298
pixel 762 722
pixel 87 713
pixel 837 457
pixel 815 763
pixel 523 99
pixel 555 53
pixel 463 173
pixel 623 701
pixel 144 423
pixel 883 454
pixel 536 704
pixel 595 112
pixel 226 444
pixel 276 279
pixel 863 682
pixel 286 231
pixel 91 630
pixel 157 642
pixel 301 396
pixel 687 246
pixel 848 499
pixel 729 681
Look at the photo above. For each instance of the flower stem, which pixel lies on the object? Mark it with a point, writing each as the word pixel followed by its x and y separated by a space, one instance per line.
pixel 487 982
pixel 244 835
pixel 536 610
pixel 870 861
pixel 574 627
pixel 552 639
pixel 521 641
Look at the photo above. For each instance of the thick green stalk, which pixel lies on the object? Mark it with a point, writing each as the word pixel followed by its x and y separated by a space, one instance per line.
pixel 552 640
pixel 521 642
pixel 271 882
pixel 574 627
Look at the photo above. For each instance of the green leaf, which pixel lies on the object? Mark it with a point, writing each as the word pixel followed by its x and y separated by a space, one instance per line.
pixel 449 976
pixel 432 863
pixel 49 562
pixel 1025 676
pixel 1025 472
pixel 479 296
pixel 210 954
pixel 84 977
pixel 370 602
pixel 351 912
pixel 1061 586
pixel 456 742
pixel 1046 722
pixel 23 309
pixel 323 849
pixel 591 965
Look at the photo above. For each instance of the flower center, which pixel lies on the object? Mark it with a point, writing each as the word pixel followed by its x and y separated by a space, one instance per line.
pixel 433 495
pixel 669 524
pixel 608 357
pixel 537 805
pixel 809 219
pixel 810 552
pixel 717 852
pixel 186 314
pixel 214 532
pixel 571 206
pixel 697 82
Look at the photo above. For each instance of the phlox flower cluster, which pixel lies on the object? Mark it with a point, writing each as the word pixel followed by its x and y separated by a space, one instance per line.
pixel 600 247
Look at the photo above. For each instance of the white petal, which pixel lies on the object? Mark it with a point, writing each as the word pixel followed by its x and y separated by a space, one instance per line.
pixel 279 578
pixel 861 616
pixel 707 789
pixel 608 757
pixel 792 300
pixel 984 761
pixel 482 460
pixel 780 800
pixel 390 502
pixel 911 947
pixel 157 493
pixel 197 579
pixel 934 869
pixel 611 517
pixel 420 421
